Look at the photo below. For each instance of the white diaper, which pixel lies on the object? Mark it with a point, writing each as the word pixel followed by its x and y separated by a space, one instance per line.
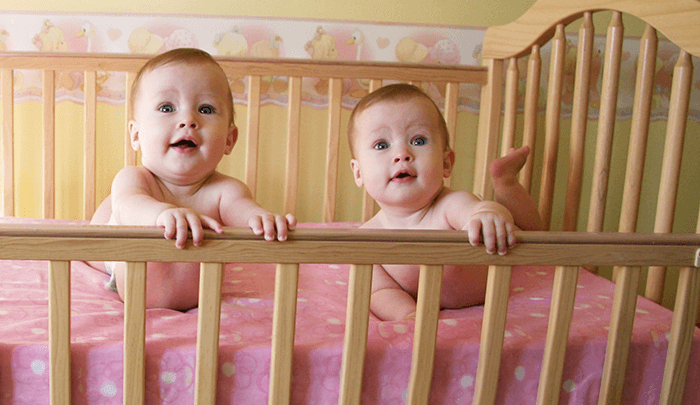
pixel 111 284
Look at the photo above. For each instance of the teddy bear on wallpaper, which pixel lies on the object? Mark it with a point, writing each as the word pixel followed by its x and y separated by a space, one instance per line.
pixel 50 38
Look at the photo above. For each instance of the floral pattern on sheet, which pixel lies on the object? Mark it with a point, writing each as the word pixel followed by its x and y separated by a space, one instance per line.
pixel 244 357
pixel 305 39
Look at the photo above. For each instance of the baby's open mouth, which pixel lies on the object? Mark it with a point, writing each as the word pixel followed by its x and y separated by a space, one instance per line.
pixel 184 144
pixel 402 175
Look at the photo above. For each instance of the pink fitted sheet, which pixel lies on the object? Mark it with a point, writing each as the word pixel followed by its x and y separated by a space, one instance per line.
pixel 244 356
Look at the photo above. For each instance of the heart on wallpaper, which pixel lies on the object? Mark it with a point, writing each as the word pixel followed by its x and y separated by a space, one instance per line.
pixel 382 42
pixel 114 33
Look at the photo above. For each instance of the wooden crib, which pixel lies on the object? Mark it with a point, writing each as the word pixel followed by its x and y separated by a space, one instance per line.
pixel 596 245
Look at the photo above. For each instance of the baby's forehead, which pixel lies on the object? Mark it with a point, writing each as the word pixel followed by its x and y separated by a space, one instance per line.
pixel 419 104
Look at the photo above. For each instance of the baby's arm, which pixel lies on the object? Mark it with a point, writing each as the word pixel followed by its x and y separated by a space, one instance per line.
pixel 133 204
pixel 389 301
pixel 238 208
pixel 488 218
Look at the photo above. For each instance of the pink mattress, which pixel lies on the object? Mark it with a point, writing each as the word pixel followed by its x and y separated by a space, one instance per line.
pixel 97 330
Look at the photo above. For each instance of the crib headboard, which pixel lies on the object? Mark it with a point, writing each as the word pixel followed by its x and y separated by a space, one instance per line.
pixel 622 119
pixel 608 132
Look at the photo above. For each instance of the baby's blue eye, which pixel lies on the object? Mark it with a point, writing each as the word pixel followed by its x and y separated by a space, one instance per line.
pixel 381 145
pixel 166 108
pixel 205 109
pixel 419 141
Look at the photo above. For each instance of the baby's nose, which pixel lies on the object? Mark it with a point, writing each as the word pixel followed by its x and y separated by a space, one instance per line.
pixel 403 155
pixel 188 121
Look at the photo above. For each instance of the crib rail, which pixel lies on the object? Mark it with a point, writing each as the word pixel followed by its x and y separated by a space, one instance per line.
pixel 255 69
pixel 567 250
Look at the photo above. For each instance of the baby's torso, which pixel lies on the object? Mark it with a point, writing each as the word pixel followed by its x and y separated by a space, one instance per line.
pixel 462 285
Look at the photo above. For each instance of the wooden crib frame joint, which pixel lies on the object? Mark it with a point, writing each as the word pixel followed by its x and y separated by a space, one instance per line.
pixel 697 258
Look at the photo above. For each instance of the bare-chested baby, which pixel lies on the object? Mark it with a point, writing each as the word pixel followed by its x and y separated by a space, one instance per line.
pixel 399 143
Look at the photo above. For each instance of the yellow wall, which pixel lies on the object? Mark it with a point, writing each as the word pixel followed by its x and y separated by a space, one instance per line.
pixel 447 12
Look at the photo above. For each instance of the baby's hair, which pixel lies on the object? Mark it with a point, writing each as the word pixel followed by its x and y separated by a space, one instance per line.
pixel 180 55
pixel 393 92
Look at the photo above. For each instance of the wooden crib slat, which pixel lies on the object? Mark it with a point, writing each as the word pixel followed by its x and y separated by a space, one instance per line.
pixel 579 121
pixel 8 172
pixel 355 345
pixel 560 314
pixel 129 152
pixel 59 332
pixel 90 140
pixel 48 102
pixel 335 100
pixel 425 334
pixel 620 333
pixel 292 166
pixel 211 279
pixel 644 86
pixel 283 328
pixel 671 166
pixel 606 123
pixel 489 123
pixel 451 104
pixel 511 106
pixel 554 91
pixel 253 134
pixel 492 334
pixel 367 200
pixel 532 95
pixel 135 333
pixel 640 129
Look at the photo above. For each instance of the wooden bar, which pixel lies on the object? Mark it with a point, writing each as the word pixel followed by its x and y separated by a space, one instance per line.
pixel 670 169
pixel 89 160
pixel 620 334
pixel 489 123
pixel 59 332
pixel 560 314
pixel 511 107
pixel 283 328
pixel 606 124
pixel 292 165
pixel 646 69
pixel 356 327
pixel 549 166
pixel 425 335
pixel 135 333
pixel 211 279
pixel 532 95
pixel 367 200
pixel 492 335
pixel 335 101
pixel 129 152
pixel 641 113
pixel 451 106
pixel 253 134
pixel 48 123
pixel 8 171
pixel 579 121
pixel 352 246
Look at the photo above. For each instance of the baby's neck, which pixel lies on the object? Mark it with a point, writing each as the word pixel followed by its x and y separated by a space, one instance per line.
pixel 180 191
pixel 403 218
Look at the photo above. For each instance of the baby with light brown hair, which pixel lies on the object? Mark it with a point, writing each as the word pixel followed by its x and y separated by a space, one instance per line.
pixel 183 124
pixel 399 143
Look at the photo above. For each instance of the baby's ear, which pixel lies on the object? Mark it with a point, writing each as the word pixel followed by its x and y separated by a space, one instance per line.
pixel 355 166
pixel 231 139
pixel 134 134
pixel 448 162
